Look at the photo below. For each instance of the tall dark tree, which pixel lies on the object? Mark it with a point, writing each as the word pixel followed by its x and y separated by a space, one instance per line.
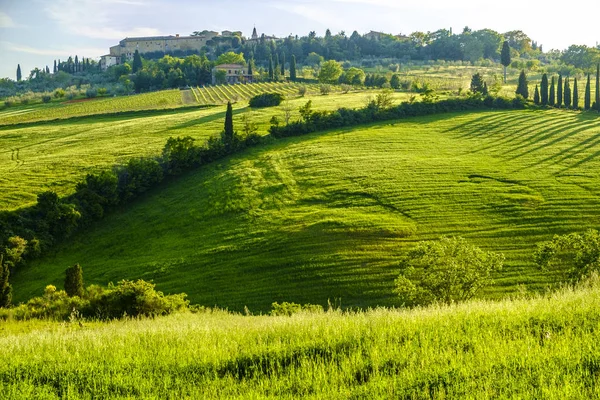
pixel 271 74
pixel 536 95
pixel 598 87
pixel 559 92
pixel 485 89
pixel 293 68
pixel 276 68
pixel 552 94
pixel 250 71
pixel 575 95
pixel 228 133
pixel 283 65
pixel 505 57
pixel 587 103
pixel 522 87
pixel 76 64
pixel 567 93
pixel 55 67
pixel 5 287
pixel 137 62
pixel 19 76
pixel 74 281
pixel 544 90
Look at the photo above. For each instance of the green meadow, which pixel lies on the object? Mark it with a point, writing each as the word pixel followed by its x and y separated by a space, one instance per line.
pixel 545 347
pixel 328 215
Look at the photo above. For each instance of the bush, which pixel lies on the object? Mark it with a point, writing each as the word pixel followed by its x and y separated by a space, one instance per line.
pixel 46 98
pixel 302 90
pixel 325 89
pixel 448 270
pixel 91 93
pixel 59 93
pixel 266 100
pixel 346 88
pixel 289 309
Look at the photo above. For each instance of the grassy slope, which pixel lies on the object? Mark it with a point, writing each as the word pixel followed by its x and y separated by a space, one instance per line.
pixel 527 349
pixel 327 215
pixel 56 155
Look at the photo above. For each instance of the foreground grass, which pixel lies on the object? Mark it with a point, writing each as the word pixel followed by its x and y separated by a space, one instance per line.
pixel 329 215
pixel 546 347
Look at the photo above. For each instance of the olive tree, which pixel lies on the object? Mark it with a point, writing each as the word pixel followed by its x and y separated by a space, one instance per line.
pixel 448 270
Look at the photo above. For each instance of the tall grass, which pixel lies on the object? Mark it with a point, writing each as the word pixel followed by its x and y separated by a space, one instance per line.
pixel 545 347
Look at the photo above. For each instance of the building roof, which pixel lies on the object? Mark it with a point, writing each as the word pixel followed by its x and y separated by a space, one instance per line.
pixel 230 66
pixel 170 37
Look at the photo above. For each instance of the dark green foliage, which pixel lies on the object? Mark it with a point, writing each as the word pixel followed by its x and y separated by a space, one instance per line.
pixel 19 75
pixel 552 94
pixel 505 57
pixel 5 286
pixel 293 68
pixel 137 62
pixel 289 309
pixel 74 281
pixel 395 82
pixel 544 90
pixel 448 270
pixel 59 218
pixel 276 71
pixel 55 70
pixel 588 95
pixel 536 95
pixel 575 95
pixel 179 154
pixel 485 89
pixel 228 132
pixel 97 194
pixel 137 176
pixel 283 65
pixel 577 255
pixel 271 72
pixel 559 92
pixel 522 87
pixel 266 100
pixel 477 83
pixel 598 87
pixel 250 71
pixel 567 93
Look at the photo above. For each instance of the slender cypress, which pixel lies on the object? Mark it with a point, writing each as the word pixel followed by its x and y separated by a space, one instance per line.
pixel 575 95
pixel 283 65
pixel 55 67
pixel 293 68
pixel 19 76
pixel 567 93
pixel 552 94
pixel 559 92
pixel 250 72
pixel 137 62
pixel 5 287
pixel 228 133
pixel 588 94
pixel 271 76
pixel 505 57
pixel 276 68
pixel 522 88
pixel 544 90
pixel 598 87
pixel 536 95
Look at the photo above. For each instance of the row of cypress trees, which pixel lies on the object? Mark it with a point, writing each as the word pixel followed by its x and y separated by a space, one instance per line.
pixel 559 93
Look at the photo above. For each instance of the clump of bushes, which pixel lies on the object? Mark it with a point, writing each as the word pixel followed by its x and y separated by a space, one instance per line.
pixel 125 299
pixel 266 100
pixel 289 309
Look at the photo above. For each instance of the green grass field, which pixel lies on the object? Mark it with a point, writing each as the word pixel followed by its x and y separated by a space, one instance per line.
pixel 546 347
pixel 328 215
pixel 55 155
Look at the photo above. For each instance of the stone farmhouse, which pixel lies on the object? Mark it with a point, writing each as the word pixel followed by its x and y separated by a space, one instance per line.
pixel 234 73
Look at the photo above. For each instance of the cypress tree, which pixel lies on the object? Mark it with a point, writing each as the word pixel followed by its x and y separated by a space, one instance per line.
pixel 505 57
pixel 485 89
pixel 544 90
pixel 76 64
pixel 598 87
pixel 536 95
pixel 551 96
pixel 283 65
pixel 74 281
pixel 271 76
pixel 5 287
pixel 55 67
pixel 228 134
pixel 588 94
pixel 575 95
pixel 559 92
pixel 137 62
pixel 293 68
pixel 250 72
pixel 567 93
pixel 276 68
pixel 19 73
pixel 522 88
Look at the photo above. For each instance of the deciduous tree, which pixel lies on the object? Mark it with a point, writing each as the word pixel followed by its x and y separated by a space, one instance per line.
pixel 330 72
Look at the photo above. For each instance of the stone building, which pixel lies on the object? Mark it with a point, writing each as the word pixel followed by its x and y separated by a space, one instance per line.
pixel 234 73
pixel 166 44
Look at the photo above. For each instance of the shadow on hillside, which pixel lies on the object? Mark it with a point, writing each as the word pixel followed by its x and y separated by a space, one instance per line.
pixel 205 119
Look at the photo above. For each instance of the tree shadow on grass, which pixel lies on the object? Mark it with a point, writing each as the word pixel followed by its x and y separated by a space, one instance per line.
pixel 206 119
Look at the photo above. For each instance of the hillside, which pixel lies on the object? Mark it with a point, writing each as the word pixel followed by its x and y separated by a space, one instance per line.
pixel 327 215
pixel 545 347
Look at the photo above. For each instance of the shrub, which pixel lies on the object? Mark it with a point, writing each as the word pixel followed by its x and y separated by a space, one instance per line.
pixel 74 281
pixel 46 98
pixel 346 88
pixel 325 89
pixel 266 100
pixel 289 309
pixel 447 270
pixel 91 93
pixel 59 93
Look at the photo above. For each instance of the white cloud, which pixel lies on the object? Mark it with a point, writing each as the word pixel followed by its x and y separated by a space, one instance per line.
pixel 63 52
pixel 97 19
pixel 6 21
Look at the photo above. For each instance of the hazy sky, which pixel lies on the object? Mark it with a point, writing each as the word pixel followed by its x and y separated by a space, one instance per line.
pixel 35 32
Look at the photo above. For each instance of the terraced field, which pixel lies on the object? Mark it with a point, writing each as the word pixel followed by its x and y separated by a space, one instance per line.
pixel 221 94
pixel 56 155
pixel 329 214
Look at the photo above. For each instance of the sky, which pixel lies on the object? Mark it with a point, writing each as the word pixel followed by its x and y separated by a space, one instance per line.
pixel 35 32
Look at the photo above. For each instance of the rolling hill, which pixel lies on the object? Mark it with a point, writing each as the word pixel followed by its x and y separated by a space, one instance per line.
pixel 327 215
